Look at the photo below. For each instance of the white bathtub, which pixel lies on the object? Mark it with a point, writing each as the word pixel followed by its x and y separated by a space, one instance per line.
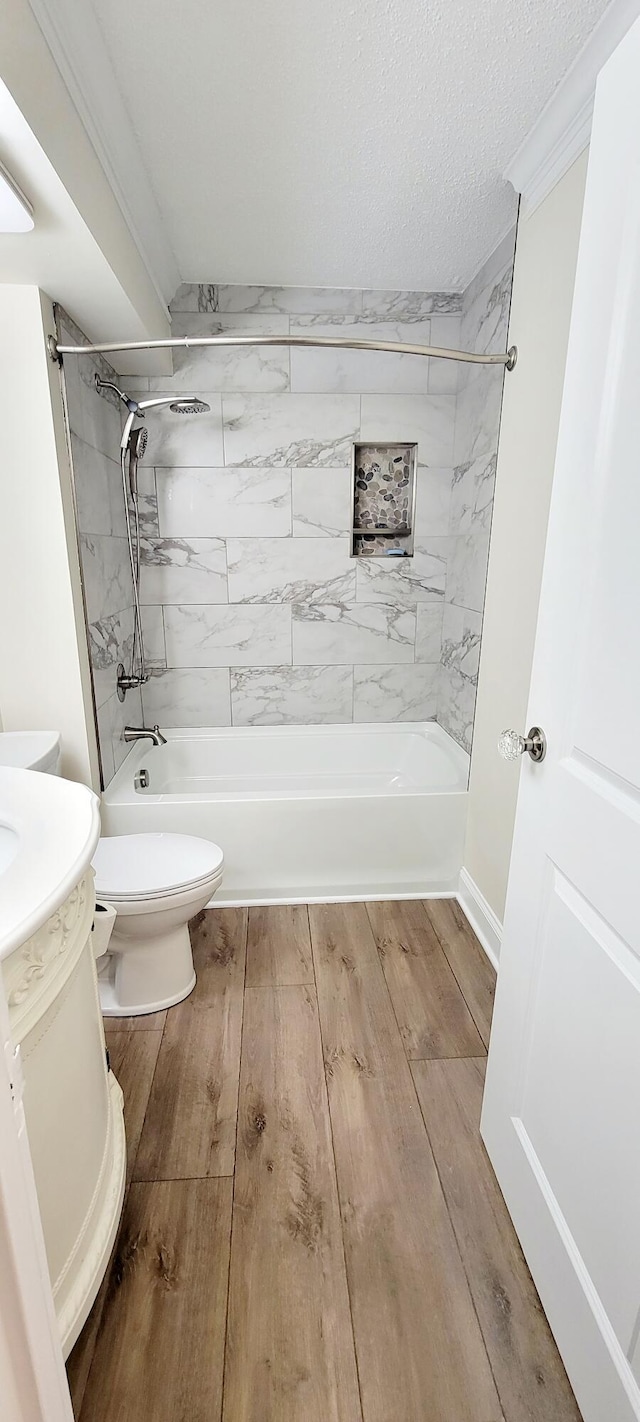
pixel 307 813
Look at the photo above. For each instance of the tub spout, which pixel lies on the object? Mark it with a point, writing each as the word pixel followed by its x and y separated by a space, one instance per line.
pixel 139 733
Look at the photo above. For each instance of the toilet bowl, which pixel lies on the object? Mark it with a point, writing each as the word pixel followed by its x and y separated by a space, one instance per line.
pixel 155 883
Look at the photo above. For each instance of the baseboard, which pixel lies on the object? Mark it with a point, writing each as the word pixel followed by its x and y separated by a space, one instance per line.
pixel 329 894
pixel 484 922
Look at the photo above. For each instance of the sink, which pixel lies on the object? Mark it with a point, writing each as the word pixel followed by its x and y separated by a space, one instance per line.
pixel 30 750
pixel 49 829
pixel 9 844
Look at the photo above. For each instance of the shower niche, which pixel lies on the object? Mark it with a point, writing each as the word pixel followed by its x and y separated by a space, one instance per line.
pixel 383 500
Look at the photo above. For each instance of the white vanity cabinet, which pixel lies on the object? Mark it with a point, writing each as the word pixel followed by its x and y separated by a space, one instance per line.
pixel 72 1103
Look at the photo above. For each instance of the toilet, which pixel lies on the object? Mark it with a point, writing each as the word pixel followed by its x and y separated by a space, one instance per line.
pixel 155 883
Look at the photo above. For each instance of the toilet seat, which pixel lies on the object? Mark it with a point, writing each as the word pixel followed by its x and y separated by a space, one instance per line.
pixel 134 867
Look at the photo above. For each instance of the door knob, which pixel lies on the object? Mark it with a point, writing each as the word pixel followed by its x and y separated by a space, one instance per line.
pixel 511 744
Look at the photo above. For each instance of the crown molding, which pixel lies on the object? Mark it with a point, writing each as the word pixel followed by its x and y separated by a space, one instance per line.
pixel 563 129
pixel 77 47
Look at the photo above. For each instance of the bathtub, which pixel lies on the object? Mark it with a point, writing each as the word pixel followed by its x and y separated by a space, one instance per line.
pixel 306 813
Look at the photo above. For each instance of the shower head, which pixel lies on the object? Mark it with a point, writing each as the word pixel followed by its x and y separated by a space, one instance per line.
pixel 136 446
pixel 138 441
pixel 189 405
pixel 184 405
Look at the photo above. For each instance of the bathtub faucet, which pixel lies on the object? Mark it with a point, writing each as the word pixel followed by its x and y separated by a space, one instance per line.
pixel 138 733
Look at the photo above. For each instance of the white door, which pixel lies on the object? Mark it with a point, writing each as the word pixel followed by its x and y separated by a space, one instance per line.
pixel 561 1117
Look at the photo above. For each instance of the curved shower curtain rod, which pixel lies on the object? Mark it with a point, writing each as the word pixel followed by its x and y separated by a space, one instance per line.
pixel 506 358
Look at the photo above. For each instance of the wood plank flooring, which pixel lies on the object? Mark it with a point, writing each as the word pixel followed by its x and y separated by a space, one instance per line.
pixel 312 1230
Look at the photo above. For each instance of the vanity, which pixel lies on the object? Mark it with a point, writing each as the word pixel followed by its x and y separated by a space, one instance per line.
pixel 49 829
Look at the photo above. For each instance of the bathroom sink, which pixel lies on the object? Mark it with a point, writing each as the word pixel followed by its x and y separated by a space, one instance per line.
pixel 49 830
pixel 30 750
pixel 9 845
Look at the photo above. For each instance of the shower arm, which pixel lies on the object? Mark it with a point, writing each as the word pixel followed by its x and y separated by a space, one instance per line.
pixel 354 343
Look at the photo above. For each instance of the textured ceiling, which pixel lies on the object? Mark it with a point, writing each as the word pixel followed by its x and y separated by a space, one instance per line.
pixel 335 143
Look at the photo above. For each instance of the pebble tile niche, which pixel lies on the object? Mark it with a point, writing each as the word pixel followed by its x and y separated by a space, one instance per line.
pixel 383 500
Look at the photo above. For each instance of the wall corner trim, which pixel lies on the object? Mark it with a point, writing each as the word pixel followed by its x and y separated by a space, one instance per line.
pixel 563 130
pixel 484 922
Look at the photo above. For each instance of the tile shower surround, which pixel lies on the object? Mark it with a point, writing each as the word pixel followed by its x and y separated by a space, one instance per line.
pixel 484 327
pixel 254 613
pixel 95 425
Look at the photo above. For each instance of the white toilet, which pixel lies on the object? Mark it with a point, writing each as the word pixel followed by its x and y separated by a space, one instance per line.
pixel 156 883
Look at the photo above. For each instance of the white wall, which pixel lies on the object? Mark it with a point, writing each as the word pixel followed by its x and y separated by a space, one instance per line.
pixel 44 665
pixel 82 250
pixel 545 263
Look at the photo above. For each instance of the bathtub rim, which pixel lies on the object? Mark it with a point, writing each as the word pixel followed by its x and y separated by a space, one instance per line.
pixel 121 790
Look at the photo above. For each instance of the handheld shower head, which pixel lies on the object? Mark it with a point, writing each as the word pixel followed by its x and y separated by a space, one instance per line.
pixel 137 444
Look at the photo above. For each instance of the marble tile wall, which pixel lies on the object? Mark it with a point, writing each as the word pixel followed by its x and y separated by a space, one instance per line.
pixel 483 327
pixel 254 611
pixel 95 426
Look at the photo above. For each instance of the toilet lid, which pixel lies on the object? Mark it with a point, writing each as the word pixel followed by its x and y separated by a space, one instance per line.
pixel 138 866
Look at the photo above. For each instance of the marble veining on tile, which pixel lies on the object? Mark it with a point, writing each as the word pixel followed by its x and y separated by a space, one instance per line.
pixel 228 368
pixel 433 501
pixel 155 649
pixel 411 305
pixel 291 695
pixel 472 493
pixel 110 642
pixel 183 570
pixel 395 693
pixel 216 323
pixel 193 297
pixel 113 715
pixel 321 502
pixel 92 482
pixel 107 575
pixel 425 420
pixel 461 633
pixel 190 696
pixel 487 299
pixel 479 404
pixel 224 503
pixel 421 578
pixel 483 327
pixel 290 570
pixel 456 706
pixel 333 368
pixel 467 569
pixel 429 618
pixel 444 375
pixel 289 429
pixel 346 633
pixel 223 636
pixel 147 503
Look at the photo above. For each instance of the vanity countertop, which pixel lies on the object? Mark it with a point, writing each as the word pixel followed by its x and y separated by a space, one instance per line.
pixel 49 829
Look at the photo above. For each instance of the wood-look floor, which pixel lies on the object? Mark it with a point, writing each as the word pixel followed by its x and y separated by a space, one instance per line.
pixel 312 1230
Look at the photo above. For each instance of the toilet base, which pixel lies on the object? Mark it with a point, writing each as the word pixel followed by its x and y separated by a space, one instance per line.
pixel 147 975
